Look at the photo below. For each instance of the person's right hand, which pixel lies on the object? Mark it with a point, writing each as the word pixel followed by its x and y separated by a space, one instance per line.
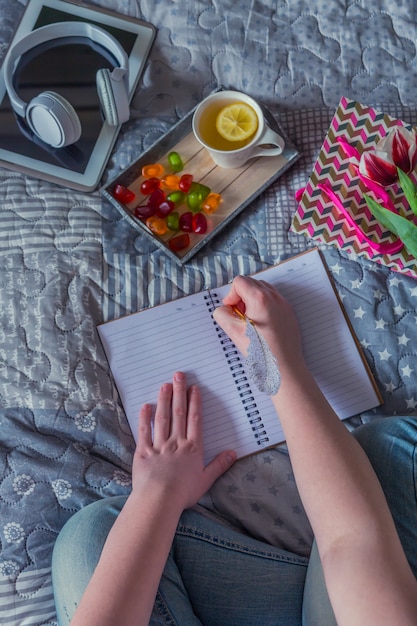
pixel 271 313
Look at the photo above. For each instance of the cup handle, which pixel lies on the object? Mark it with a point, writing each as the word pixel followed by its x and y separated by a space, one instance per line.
pixel 271 137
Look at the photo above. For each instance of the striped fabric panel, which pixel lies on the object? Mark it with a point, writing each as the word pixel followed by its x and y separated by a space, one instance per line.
pixel 24 603
pixel 35 214
pixel 138 282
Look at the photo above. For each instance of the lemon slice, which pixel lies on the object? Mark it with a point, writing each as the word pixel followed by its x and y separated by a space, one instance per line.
pixel 237 122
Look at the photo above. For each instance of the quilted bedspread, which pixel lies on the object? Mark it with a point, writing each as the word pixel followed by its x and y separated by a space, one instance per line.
pixel 69 261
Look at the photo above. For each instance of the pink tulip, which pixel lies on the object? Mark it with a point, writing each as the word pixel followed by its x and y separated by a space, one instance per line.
pixel 397 149
pixel 379 167
pixel 401 144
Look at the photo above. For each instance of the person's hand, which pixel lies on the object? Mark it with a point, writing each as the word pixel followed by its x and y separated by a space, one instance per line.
pixel 271 313
pixel 171 460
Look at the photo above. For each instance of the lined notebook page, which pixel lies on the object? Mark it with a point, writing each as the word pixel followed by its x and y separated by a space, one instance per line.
pixel 144 349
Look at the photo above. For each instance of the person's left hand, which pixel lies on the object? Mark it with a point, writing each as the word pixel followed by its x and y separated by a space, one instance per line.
pixel 172 459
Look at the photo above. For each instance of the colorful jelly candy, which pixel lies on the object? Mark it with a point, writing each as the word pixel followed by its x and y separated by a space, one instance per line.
pixel 175 162
pixel 153 170
pixel 173 221
pixel 211 203
pixel 166 192
pixel 170 181
pixel 149 185
pixel 123 194
pixel 203 190
pixel 199 223
pixel 143 212
pixel 156 197
pixel 157 225
pixel 186 222
pixel 185 182
pixel 180 242
pixel 194 201
pixel 176 197
pixel 165 208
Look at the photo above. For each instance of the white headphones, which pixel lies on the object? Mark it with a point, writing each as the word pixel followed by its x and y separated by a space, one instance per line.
pixel 50 116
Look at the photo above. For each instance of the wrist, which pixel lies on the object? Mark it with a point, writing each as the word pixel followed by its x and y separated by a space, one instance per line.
pixel 295 376
pixel 157 499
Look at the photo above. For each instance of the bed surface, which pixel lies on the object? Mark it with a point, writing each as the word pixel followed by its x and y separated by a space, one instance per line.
pixel 68 261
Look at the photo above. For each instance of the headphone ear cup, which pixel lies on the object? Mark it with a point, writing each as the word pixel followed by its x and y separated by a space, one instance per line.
pixel 53 119
pixel 106 97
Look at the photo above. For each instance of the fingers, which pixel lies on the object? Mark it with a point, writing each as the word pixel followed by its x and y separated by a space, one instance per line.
pixel 179 406
pixel 162 421
pixel 233 326
pixel 172 411
pixel 145 427
pixel 219 465
pixel 241 291
pixel 194 421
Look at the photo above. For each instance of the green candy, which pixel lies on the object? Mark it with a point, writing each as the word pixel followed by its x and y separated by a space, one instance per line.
pixel 194 201
pixel 203 190
pixel 173 221
pixel 175 162
pixel 176 197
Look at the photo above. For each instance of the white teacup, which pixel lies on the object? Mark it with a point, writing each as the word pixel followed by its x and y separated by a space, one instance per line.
pixel 231 154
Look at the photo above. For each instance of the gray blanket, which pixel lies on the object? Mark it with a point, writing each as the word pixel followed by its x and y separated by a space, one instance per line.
pixel 69 261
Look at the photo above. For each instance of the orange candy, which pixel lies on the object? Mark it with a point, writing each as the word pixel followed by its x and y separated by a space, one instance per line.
pixel 171 182
pixel 153 170
pixel 157 225
pixel 211 203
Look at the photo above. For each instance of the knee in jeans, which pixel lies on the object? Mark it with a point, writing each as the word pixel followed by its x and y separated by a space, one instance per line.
pixel 87 530
pixel 385 431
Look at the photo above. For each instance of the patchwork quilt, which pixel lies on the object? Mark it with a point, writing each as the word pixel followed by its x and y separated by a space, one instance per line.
pixel 69 261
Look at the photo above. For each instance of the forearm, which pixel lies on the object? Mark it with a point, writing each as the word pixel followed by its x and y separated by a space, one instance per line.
pixel 358 544
pixel 124 585
pixel 329 465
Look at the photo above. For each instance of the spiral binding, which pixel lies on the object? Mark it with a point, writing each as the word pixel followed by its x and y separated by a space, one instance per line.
pixel 238 373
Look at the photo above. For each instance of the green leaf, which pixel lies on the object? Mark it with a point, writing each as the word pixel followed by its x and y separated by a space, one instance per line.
pixel 409 189
pixel 400 226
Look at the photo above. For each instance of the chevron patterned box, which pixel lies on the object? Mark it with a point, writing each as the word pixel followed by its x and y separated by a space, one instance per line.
pixel 318 217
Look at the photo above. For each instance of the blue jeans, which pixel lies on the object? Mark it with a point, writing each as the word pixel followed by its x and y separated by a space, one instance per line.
pixel 390 444
pixel 218 576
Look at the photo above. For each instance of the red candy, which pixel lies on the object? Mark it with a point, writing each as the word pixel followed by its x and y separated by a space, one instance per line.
pixel 185 183
pixel 123 194
pixel 149 185
pixel 186 222
pixel 199 223
pixel 143 212
pixel 165 208
pixel 156 198
pixel 180 242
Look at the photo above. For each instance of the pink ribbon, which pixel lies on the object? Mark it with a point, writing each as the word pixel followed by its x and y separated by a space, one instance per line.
pixel 380 248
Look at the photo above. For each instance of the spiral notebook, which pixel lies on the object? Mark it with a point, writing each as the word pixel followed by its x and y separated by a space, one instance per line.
pixel 145 348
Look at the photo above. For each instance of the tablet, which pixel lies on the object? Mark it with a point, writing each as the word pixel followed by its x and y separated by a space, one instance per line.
pixel 68 67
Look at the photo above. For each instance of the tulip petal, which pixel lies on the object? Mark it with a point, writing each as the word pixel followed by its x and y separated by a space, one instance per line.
pixel 379 167
pixel 403 150
pixel 401 145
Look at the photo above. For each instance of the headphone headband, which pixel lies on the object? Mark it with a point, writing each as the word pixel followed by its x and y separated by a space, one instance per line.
pixel 59 31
